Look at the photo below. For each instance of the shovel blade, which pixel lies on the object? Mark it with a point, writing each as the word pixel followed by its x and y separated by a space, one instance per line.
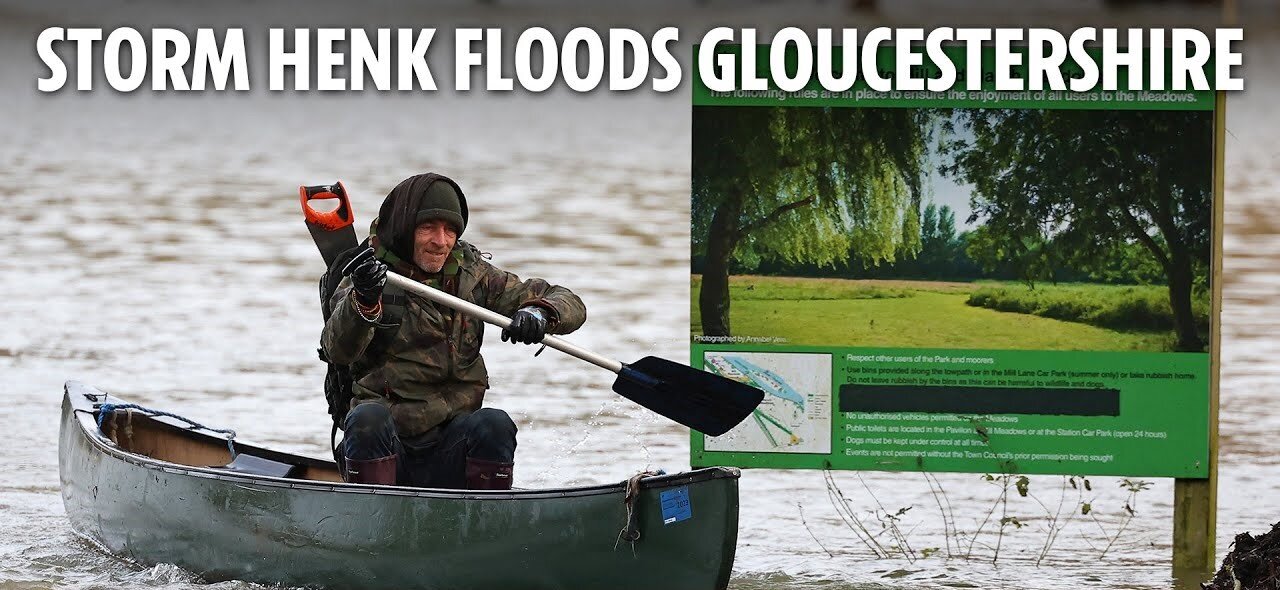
pixel 703 401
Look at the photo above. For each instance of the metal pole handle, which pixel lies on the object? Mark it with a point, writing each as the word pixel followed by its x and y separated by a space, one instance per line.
pixel 498 319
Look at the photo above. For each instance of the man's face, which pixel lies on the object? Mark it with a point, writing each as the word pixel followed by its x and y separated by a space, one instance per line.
pixel 433 239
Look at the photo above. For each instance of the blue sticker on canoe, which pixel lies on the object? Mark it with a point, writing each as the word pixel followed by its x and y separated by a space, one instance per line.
pixel 675 505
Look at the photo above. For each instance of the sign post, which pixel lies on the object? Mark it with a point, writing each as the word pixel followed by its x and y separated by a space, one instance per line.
pixel 1195 501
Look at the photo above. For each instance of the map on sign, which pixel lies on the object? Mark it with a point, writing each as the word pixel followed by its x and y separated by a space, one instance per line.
pixel 795 416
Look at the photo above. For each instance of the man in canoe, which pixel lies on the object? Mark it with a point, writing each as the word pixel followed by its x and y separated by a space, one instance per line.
pixel 419 380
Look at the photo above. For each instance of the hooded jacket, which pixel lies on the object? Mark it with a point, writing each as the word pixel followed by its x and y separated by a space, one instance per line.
pixel 422 359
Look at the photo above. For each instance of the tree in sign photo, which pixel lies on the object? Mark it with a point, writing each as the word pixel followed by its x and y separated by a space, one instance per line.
pixel 1084 187
pixel 802 185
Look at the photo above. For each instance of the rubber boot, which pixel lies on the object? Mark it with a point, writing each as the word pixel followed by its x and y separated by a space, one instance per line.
pixel 380 471
pixel 483 474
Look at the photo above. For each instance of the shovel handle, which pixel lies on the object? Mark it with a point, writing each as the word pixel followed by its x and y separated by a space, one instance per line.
pixel 499 320
pixel 329 220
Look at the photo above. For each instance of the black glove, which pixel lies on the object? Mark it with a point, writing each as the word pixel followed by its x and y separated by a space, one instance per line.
pixel 529 325
pixel 368 276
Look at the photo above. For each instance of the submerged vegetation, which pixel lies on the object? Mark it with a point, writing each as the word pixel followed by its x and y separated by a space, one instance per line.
pixel 1039 519
pixel 1252 564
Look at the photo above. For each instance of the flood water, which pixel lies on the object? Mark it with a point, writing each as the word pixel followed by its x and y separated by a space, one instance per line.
pixel 151 245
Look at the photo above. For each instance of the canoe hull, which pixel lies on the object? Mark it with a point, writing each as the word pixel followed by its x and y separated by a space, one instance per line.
pixel 224 525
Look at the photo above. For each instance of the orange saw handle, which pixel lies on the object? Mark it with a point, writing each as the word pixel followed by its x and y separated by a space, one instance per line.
pixel 328 220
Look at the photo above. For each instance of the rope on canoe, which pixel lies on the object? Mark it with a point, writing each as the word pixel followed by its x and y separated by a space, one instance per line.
pixel 631 530
pixel 106 409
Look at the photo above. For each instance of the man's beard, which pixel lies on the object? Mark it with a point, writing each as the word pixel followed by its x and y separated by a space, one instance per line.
pixel 428 265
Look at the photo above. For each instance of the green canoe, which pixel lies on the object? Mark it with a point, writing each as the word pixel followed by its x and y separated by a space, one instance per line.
pixel 155 490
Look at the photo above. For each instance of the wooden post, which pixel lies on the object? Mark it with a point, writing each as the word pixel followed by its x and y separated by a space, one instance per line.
pixel 1194 508
pixel 1195 501
pixel 1230 12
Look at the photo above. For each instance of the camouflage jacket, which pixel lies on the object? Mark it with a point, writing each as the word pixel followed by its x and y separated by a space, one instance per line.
pixel 423 359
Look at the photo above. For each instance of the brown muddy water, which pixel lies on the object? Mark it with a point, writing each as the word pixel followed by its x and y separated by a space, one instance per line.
pixel 151 245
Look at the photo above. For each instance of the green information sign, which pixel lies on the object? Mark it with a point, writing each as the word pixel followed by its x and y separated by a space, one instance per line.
pixel 964 281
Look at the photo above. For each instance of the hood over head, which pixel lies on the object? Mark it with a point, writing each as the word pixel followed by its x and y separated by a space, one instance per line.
pixel 417 199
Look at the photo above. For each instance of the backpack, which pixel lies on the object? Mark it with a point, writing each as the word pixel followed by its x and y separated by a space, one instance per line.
pixel 338 383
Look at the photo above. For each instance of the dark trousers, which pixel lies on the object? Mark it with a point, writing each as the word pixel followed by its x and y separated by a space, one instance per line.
pixel 436 459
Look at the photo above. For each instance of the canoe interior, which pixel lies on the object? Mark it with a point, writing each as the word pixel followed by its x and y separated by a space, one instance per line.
pixel 161 440
pixel 143 435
